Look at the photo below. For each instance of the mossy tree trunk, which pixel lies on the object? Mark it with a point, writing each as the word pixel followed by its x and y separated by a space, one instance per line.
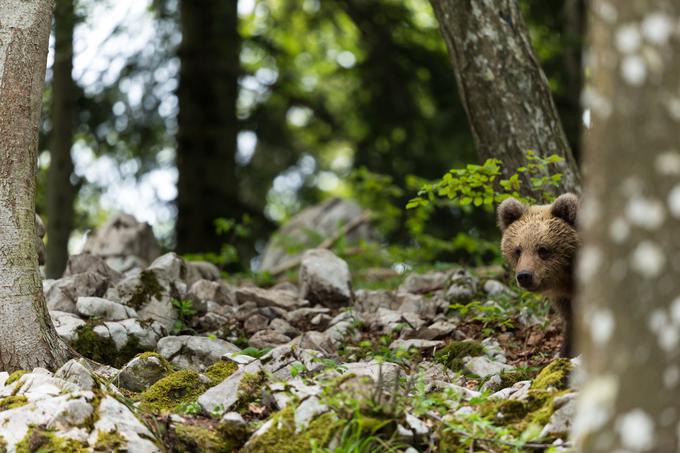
pixel 27 337
pixel 61 191
pixel 502 86
pixel 206 139
pixel 629 268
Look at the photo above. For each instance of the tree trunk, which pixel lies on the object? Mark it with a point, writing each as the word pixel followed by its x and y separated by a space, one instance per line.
pixel 27 337
pixel 206 140
pixel 629 266
pixel 502 86
pixel 61 191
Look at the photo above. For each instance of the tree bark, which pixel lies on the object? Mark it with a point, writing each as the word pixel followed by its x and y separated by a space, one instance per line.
pixel 206 140
pixel 629 263
pixel 502 86
pixel 27 337
pixel 61 191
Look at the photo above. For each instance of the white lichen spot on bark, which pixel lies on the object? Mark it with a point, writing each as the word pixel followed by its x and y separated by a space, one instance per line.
pixel 601 326
pixel 636 430
pixel 628 38
pixel 668 162
pixel 634 70
pixel 671 376
pixel 619 230
pixel 595 404
pixel 674 201
pixel 648 259
pixel 589 261
pixel 646 213
pixel 657 28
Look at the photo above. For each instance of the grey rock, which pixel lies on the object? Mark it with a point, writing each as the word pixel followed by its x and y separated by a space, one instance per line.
pixel 78 372
pixel 66 324
pixel 561 420
pixel 146 333
pixel 269 298
pixel 280 360
pixel 483 367
pixel 255 323
pixel 342 332
pixel 115 416
pixel 86 262
pixel 412 303
pixel 282 326
pixel 371 301
pixel 113 330
pixel 201 270
pixel 324 219
pixel 194 352
pixel 96 307
pixel 387 372
pixel 233 419
pixel 62 294
pixel 463 287
pixel 123 236
pixel 424 283
pixel 225 395
pixel 140 373
pixel 439 329
pixel 325 279
pixel 317 341
pixel 422 345
pixel 417 425
pixel 267 339
pixel 215 291
pixel 302 317
pixel 169 267
pixel 493 350
pixel 495 288
pixel 307 411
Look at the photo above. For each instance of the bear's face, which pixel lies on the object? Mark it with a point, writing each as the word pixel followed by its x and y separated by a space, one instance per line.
pixel 540 243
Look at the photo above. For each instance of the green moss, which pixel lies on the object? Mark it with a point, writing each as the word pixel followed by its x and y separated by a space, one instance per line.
pixel 147 288
pixel 172 391
pixel 555 375
pixel 39 440
pixel 3 445
pixel 110 442
pixel 193 438
pixel 250 389
pixel 282 438
pixel 15 376
pixel 510 378
pixel 220 370
pixel 12 402
pixel 453 353
pixel 103 350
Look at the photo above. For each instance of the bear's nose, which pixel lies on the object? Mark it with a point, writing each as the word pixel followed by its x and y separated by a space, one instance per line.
pixel 525 279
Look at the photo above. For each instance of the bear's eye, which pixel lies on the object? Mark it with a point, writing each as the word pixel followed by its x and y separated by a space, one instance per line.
pixel 518 252
pixel 543 253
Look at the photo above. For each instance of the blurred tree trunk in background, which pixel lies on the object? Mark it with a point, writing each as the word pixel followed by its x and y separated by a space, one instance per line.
pixel 27 337
pixel 61 191
pixel 206 140
pixel 503 88
pixel 629 266
pixel 573 30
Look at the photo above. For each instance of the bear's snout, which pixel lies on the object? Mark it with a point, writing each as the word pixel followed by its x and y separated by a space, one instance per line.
pixel 525 279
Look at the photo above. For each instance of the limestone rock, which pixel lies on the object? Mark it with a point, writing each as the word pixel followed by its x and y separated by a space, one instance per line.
pixel 141 372
pixel 96 307
pixel 194 352
pixel 325 279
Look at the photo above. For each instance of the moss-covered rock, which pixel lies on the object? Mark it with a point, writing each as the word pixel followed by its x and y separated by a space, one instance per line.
pixel 15 376
pixel 45 441
pixel 453 353
pixel 93 346
pixel 147 288
pixel 192 438
pixel 12 402
pixel 172 391
pixel 220 370
pixel 110 442
pixel 250 389
pixel 554 376
pixel 510 378
pixel 282 437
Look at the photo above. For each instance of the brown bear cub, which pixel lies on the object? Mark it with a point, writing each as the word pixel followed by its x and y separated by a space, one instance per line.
pixel 540 243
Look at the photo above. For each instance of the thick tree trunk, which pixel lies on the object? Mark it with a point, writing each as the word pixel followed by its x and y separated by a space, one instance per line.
pixel 206 140
pixel 629 268
pixel 503 88
pixel 27 336
pixel 61 191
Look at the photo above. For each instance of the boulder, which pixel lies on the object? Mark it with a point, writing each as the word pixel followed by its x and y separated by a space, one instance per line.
pixel 114 416
pixel 324 220
pixel 96 307
pixel 66 324
pixel 124 243
pixel 284 299
pixel 226 394
pixel 141 372
pixel 63 294
pixel 267 339
pixel 194 352
pixel 87 262
pixel 325 279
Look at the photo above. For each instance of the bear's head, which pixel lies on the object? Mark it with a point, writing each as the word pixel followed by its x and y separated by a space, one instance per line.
pixel 540 243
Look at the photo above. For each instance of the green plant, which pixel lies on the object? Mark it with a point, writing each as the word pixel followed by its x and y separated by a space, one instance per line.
pixel 255 352
pixel 191 408
pixel 233 231
pixel 185 311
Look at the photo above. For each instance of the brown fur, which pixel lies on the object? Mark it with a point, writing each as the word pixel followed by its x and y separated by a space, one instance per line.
pixel 531 231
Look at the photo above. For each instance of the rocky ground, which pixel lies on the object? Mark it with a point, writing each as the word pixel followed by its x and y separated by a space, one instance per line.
pixel 448 360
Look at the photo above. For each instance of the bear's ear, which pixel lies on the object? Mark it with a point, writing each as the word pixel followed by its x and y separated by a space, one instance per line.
pixel 509 211
pixel 565 207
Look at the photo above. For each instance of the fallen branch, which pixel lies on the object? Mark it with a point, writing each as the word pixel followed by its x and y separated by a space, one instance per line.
pixel 326 244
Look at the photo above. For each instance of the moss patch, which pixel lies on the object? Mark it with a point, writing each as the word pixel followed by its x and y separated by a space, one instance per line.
pixel 12 402
pixel 510 378
pixel 147 288
pixel 250 389
pixel 45 441
pixel 172 391
pixel 191 438
pixel 103 350
pixel 110 442
pixel 453 353
pixel 220 370
pixel 282 438
pixel 555 375
pixel 15 376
